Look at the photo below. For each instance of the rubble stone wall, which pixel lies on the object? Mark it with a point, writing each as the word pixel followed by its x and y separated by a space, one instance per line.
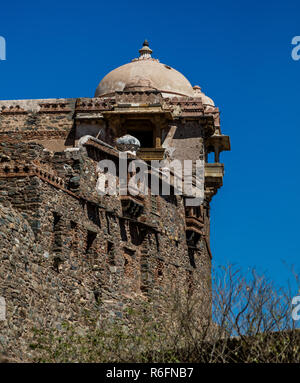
pixel 64 249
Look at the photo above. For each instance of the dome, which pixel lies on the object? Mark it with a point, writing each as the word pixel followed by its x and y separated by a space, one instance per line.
pixel 145 73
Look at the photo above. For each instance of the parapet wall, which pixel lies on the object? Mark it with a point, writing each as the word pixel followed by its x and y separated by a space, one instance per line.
pixel 38 120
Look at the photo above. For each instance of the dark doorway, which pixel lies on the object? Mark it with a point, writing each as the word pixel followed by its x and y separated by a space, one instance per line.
pixel 145 137
pixel 142 129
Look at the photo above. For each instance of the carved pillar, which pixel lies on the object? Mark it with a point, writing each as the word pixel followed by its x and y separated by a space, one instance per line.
pixel 115 125
pixel 157 132
pixel 217 153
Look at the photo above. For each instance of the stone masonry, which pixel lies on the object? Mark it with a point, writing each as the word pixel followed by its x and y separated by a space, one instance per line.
pixel 64 247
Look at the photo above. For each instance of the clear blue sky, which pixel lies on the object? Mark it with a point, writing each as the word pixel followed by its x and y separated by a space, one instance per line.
pixel 239 52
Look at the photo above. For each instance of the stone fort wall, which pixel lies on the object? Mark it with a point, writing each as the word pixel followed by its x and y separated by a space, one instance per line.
pixel 64 249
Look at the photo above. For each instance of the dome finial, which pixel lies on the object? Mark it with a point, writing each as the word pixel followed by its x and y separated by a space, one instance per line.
pixel 145 51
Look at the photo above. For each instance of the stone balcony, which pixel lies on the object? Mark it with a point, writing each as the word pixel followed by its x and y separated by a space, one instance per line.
pixel 214 173
pixel 194 224
pixel 131 206
pixel 194 219
pixel 132 203
pixel 149 154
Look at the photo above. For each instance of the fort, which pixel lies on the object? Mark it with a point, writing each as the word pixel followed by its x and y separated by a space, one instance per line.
pixel 64 247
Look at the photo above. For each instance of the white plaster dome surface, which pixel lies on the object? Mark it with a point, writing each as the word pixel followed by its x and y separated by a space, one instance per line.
pixel 144 70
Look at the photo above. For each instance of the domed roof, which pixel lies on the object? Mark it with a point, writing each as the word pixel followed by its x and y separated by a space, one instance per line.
pixel 145 73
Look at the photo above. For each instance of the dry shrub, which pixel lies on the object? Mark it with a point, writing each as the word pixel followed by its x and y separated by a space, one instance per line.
pixel 250 322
